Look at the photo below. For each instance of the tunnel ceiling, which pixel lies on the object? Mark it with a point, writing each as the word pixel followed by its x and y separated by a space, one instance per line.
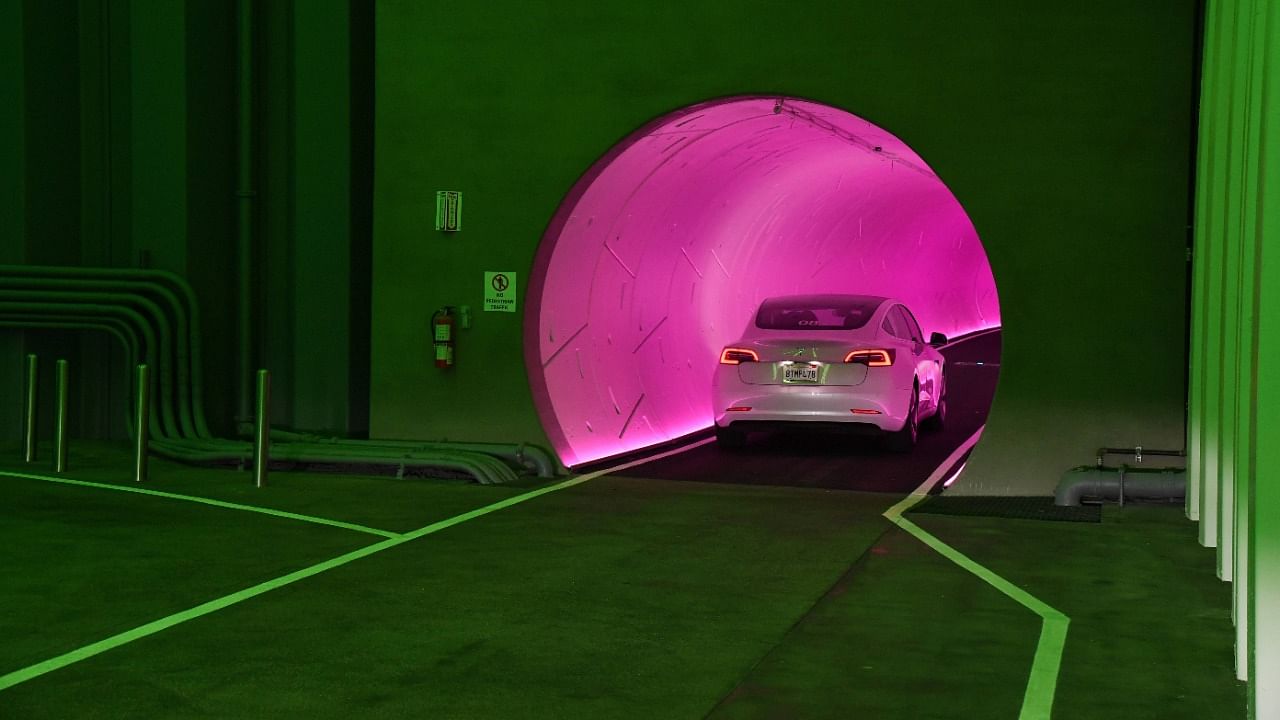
pixel 660 254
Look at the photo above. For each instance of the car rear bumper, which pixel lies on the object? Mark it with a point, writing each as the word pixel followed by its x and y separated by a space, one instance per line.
pixel 884 406
pixel 822 426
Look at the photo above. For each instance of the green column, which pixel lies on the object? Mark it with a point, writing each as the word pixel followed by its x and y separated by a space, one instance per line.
pixel 1246 366
pixel 12 197
pixel 1210 250
pixel 1199 307
pixel 1232 229
pixel 1264 505
pixel 158 124
pixel 321 249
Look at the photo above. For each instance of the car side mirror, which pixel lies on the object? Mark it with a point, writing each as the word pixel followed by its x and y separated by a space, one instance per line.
pixel 937 339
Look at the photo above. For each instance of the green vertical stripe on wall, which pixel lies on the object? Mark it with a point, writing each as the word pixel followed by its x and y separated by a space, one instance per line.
pixel 274 297
pixel 1238 248
pixel 52 133
pixel 1264 504
pixel 12 199
pixel 321 213
pixel 158 123
pixel 1200 253
pixel 1246 367
pixel 12 134
pixel 1229 308
pixel 1212 250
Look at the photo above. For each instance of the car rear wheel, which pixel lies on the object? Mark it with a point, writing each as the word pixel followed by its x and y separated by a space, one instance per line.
pixel 730 439
pixel 904 440
pixel 938 419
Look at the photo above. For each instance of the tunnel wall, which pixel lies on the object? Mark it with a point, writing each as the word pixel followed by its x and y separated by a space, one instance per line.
pixel 660 255
pixel 1063 130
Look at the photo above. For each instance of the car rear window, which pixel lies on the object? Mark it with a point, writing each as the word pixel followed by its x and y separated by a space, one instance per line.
pixel 836 313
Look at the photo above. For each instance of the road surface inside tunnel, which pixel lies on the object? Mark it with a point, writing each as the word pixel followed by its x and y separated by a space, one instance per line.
pixel 834 461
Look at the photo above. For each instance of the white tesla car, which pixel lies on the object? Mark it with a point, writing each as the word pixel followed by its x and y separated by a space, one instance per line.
pixel 849 362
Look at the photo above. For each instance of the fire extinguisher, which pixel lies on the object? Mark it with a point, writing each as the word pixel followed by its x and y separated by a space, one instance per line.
pixel 442 336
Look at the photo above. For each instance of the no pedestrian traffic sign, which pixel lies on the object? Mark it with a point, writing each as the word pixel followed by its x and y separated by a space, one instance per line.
pixel 499 292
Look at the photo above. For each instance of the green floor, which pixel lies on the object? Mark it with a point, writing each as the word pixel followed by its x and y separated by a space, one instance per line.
pixel 614 598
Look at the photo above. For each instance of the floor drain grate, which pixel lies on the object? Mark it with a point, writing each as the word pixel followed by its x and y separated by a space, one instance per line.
pixel 1024 508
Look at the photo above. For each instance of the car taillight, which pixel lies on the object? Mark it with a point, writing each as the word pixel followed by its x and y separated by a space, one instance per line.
pixel 870 358
pixel 734 356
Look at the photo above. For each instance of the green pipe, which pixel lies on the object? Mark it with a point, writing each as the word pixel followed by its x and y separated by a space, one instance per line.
pixel 155 278
pixel 244 196
pixel 142 409
pixel 112 313
pixel 262 429
pixel 116 328
pixel 183 340
pixel 528 456
pixel 485 469
pixel 138 323
pixel 162 332
pixel 155 349
pixel 60 419
pixel 485 454
pixel 29 426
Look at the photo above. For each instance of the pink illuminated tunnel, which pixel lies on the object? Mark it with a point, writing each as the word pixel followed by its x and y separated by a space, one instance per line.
pixel 661 252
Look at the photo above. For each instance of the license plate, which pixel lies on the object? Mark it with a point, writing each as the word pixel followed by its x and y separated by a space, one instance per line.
pixel 800 373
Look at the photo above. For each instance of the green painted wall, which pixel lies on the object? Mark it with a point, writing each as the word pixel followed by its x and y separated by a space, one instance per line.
pixel 120 151
pixel 1065 130
pixel 1234 463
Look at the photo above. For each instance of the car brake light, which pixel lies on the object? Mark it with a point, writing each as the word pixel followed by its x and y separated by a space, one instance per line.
pixel 870 358
pixel 734 356
pixel 860 411
pixel 738 408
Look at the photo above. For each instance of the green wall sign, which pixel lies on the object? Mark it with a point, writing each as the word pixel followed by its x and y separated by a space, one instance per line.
pixel 499 292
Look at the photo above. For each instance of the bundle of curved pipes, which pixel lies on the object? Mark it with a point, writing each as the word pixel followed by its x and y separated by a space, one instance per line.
pixel 154 316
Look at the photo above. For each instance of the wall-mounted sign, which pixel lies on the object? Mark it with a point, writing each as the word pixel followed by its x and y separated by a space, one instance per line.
pixel 448 210
pixel 499 292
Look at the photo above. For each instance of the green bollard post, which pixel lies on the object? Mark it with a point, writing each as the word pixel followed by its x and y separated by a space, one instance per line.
pixel 262 430
pixel 60 420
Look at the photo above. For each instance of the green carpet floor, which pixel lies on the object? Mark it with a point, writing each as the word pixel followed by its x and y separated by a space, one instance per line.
pixel 617 598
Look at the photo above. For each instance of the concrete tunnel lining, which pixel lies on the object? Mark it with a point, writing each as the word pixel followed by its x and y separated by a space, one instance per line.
pixel 661 252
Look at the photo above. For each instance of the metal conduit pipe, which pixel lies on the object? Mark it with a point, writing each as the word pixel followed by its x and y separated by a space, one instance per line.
pixel 116 328
pixel 373 452
pixel 478 459
pixel 1137 452
pixel 130 353
pixel 149 312
pixel 1120 483
pixel 150 346
pixel 143 347
pixel 485 469
pixel 524 455
pixel 57 299
pixel 157 280
pixel 183 340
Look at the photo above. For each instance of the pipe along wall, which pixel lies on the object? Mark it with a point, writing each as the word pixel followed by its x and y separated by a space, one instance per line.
pixel 154 316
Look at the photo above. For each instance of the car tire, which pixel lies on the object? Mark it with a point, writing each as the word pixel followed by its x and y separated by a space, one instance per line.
pixel 730 439
pixel 938 420
pixel 904 440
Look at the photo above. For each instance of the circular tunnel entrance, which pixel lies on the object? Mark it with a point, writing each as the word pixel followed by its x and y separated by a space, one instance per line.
pixel 662 251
